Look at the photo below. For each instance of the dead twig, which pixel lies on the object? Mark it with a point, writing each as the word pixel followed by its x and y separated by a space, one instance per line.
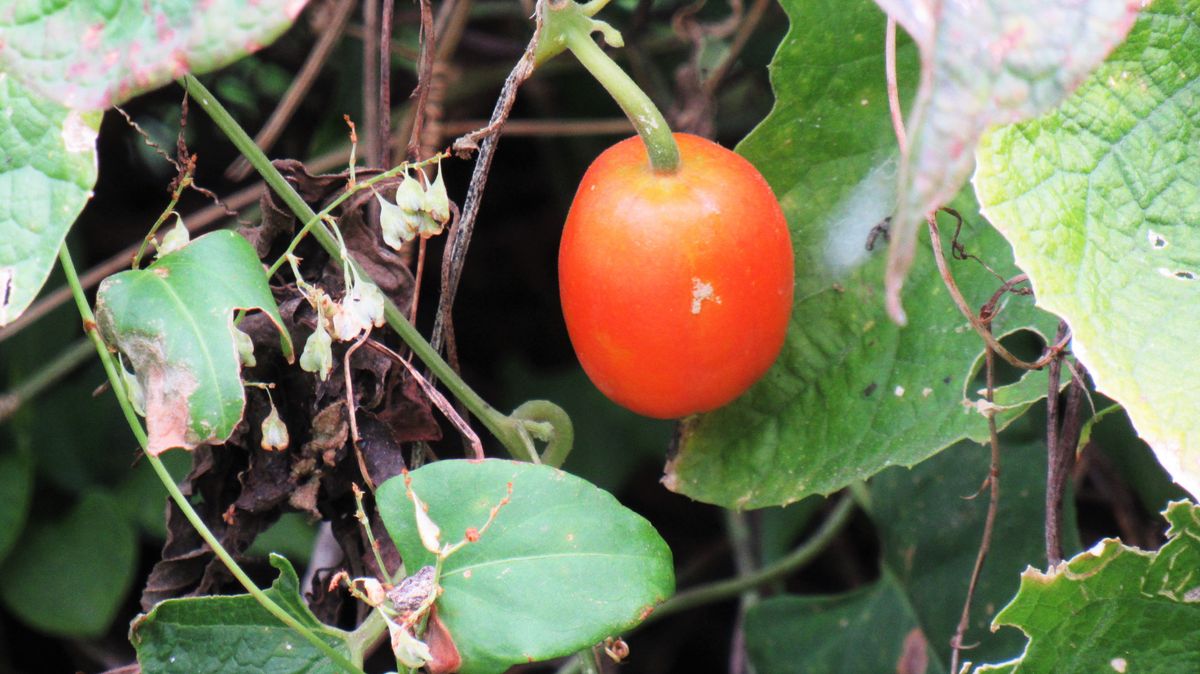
pixel 989 524
pixel 460 236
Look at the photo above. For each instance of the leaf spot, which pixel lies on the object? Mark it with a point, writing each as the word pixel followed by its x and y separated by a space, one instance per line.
pixel 1178 274
pixel 899 391
pixel 1118 664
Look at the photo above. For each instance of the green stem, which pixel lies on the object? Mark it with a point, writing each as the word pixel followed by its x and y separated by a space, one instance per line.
pixel 570 25
pixel 505 429
pixel 735 586
pixel 114 379
pixel 69 359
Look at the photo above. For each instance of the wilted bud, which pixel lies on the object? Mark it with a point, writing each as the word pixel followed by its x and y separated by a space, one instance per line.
pixel 365 300
pixel 245 347
pixel 318 352
pixel 177 237
pixel 399 226
pixel 410 195
pixel 428 531
pixel 437 202
pixel 274 431
pixel 409 651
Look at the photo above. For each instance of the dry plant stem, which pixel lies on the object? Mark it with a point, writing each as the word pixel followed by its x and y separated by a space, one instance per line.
pixel 372 141
pixel 977 323
pixel 114 378
pixel 352 410
pixel 300 86
pixel 438 399
pixel 1062 462
pixel 384 95
pixel 745 29
pixel 547 127
pixel 893 89
pixel 460 236
pixel 1055 483
pixel 424 79
pixel 45 377
pixel 989 524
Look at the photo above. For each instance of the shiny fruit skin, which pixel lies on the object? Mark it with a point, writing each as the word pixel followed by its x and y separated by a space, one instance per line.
pixel 676 288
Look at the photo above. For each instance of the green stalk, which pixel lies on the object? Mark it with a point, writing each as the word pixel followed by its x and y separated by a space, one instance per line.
pixel 567 24
pixel 506 429
pixel 118 387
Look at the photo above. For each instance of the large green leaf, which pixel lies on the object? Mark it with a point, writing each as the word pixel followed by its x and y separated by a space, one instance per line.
pixel 47 170
pixel 929 535
pixel 852 393
pixel 174 323
pixel 563 565
pixel 1101 204
pixel 985 63
pixel 70 576
pixel 234 635
pixel 868 630
pixel 1114 608
pixel 93 54
pixel 16 489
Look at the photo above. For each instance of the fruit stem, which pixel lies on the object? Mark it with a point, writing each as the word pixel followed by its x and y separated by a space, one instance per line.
pixel 569 25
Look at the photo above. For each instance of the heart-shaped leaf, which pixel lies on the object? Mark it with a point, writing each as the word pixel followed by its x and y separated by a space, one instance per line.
pixel 1114 608
pixel 47 171
pixel 852 393
pixel 562 566
pixel 173 321
pixel 71 576
pixel 985 63
pixel 91 55
pixel 1100 202
pixel 234 634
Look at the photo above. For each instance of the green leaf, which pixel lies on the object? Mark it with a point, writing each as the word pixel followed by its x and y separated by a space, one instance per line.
pixel 983 64
pixel 868 630
pixel 16 490
pixel 174 323
pixel 47 170
pixel 1114 608
pixel 234 635
pixel 929 535
pixel 852 393
pixel 562 566
pixel 93 54
pixel 930 528
pixel 70 577
pixel 1100 203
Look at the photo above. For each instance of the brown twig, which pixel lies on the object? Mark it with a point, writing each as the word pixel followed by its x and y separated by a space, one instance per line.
pixel 352 410
pixel 424 80
pixel 546 127
pixel 460 236
pixel 983 331
pixel 384 100
pixel 300 86
pixel 1061 458
pixel 989 524
pixel 439 400
pixel 745 28
pixel 371 139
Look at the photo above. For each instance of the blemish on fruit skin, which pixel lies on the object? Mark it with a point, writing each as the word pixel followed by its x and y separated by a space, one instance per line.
pixel 702 292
